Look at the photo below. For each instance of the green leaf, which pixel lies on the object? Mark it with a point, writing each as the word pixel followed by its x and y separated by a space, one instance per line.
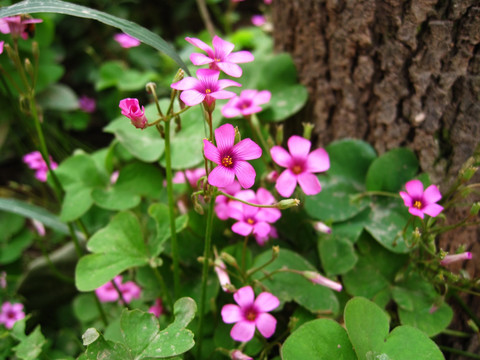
pixel 14 247
pixel 85 308
pixel 367 327
pixel 289 286
pixel 58 97
pixel 116 74
pixel 116 248
pixel 285 102
pixel 78 199
pixel 31 347
pixel 392 170
pixel 56 6
pixel 318 339
pixel 337 255
pixel 99 348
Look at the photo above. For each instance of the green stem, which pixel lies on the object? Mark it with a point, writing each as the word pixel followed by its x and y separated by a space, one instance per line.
pixel 171 208
pixel 100 309
pixel 464 306
pixel 459 352
pixel 374 193
pixel 274 206
pixel 164 287
pixel 257 132
pixel 206 262
pixel 202 7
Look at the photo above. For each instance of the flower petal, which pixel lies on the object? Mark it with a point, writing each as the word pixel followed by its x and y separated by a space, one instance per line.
pixel 231 313
pixel 223 83
pixel 200 44
pixel 211 152
pixel 187 83
pixel 416 212
pixel 200 59
pixel 222 47
pixel 266 302
pixel 286 183
pixel 261 229
pixel 309 183
pixel 432 194
pixel 317 161
pixel 246 149
pixel 225 138
pixel 414 188
pixel 281 156
pixel 407 199
pixel 432 209
pixel 244 296
pixel 243 331
pixel 221 176
pixel 240 57
pixel 222 94
pixel 266 324
pixel 245 174
pixel 192 97
pixel 242 228
pixel 208 77
pixel 230 68
pixel 230 111
pixel 262 97
pixel 299 147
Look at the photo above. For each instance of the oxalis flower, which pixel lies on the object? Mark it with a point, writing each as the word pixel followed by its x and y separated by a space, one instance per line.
pixel 20 25
pixel 231 158
pixel 448 259
pixel 220 57
pixel 246 104
pixel 301 165
pixel 126 41
pixel 11 313
pixel 250 313
pixel 421 202
pixel 207 88
pixel 132 110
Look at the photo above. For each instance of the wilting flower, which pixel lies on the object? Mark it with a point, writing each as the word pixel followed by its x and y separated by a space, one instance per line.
pixel 108 293
pixel 258 20
pixel 421 202
pixel 157 308
pixel 301 165
pixel 246 104
pixel 231 159
pixel 316 278
pixel 18 26
pixel 252 219
pixel 34 161
pixel 220 57
pixel 11 313
pixel 87 104
pixel 132 110
pixel 238 355
pixel 207 88
pixel 250 313
pixel 448 259
pixel 126 41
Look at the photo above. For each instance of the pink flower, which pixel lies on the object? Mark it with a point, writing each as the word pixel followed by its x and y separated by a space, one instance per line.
pixel 254 220
pixel 421 202
pixel 39 228
pixel 193 175
pixel 108 293
pixel 131 109
pixel 268 2
pixel 126 41
pixel 321 227
pixel 258 20
pixel 11 313
pixel 207 88
pixel 272 176
pixel 222 274
pixel 87 104
pixel 18 26
pixel 221 201
pixel 300 164
pixel 238 355
pixel 220 57
pixel 114 177
pixel 231 158
pixel 246 104
pixel 34 161
pixel 157 308
pixel 1 46
pixel 250 313
pixel 130 291
pixel 455 257
pixel 316 278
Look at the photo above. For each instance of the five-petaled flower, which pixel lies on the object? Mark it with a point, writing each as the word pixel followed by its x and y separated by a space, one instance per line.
pixel 246 104
pixel 421 202
pixel 11 313
pixel 231 159
pixel 132 110
pixel 250 313
pixel 207 88
pixel 300 165
pixel 20 25
pixel 220 57
pixel 34 161
pixel 129 290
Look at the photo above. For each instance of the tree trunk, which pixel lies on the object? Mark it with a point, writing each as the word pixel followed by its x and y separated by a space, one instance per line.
pixel 394 73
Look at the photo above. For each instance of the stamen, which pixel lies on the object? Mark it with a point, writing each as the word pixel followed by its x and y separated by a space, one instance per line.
pixel 227 161
pixel 208 91
pixel 296 169
pixel 417 204
pixel 250 221
pixel 251 315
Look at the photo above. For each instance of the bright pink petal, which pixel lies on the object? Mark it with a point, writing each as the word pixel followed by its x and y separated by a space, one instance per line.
pixel 269 215
pixel 281 156
pixel 186 84
pixel 200 44
pixel 266 324
pixel 414 188
pixel 223 83
pixel 240 57
pixel 222 47
pixel 192 97
pixel 246 195
pixel 229 111
pixel 243 331
pixel 286 183
pixel 246 149
pixel 407 199
pixel 317 161
pixel 245 174
pixel 432 209
pixel 208 77
pixel 230 68
pixel 221 176
pixel 309 183
pixel 262 97
pixel 261 229
pixel 200 59
pixel 266 302
pixel 222 94
pixel 231 314
pixel 432 194
pixel 251 110
pixel 236 210
pixel 416 212
pixel 244 296
pixel 225 137
pixel 242 228
pixel 211 152
pixel 299 147
pixel 265 197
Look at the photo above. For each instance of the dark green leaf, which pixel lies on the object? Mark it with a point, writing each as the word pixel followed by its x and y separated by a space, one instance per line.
pixel 337 255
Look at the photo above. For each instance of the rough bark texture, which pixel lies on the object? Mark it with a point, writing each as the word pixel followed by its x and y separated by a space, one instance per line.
pixel 394 73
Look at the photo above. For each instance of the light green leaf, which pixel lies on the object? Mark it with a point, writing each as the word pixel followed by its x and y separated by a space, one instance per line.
pixel 31 347
pixel 58 97
pixel 337 255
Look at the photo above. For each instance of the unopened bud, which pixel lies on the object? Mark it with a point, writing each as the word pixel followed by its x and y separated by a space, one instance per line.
pixel 316 278
pixel 322 227
pixel 279 135
pixel 468 172
pixel 179 75
pixel 275 251
pixel 475 209
pixel 307 130
pixel 29 67
pixel 238 136
pixel 456 257
pixel 35 50
pixel 287 203
pixel 229 259
pixel 151 87
pixel 272 176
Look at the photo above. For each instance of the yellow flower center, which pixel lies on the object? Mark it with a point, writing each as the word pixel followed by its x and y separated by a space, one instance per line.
pixel 208 91
pixel 251 315
pixel 227 161
pixel 250 221
pixel 417 204
pixel 297 169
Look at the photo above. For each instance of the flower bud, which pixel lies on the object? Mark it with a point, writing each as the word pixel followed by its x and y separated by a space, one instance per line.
pixel 229 259
pixel 151 87
pixel 272 176
pixel 456 257
pixel 29 67
pixel 321 227
pixel 179 75
pixel 475 209
pixel 307 130
pixel 238 136
pixel 316 278
pixel 468 172
pixel 132 110
pixel 287 203
pixel 279 135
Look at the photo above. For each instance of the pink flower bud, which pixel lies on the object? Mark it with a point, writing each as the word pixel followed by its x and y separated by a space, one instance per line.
pixel 321 227
pixel 132 110
pixel 238 355
pixel 316 278
pixel 456 257
pixel 157 308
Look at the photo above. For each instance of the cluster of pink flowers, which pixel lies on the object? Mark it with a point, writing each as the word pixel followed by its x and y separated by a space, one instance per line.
pixel 11 313
pixel 128 289
pixel 34 161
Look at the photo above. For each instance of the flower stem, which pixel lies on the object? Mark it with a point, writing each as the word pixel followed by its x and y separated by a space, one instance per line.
pixel 163 286
pixel 272 206
pixel 257 132
pixel 206 262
